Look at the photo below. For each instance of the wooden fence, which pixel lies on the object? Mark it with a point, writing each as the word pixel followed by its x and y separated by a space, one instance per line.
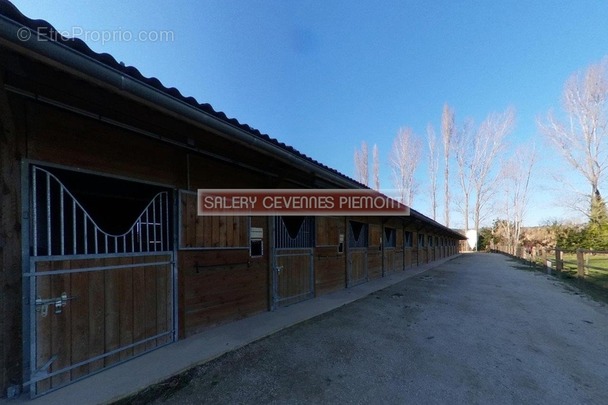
pixel 584 264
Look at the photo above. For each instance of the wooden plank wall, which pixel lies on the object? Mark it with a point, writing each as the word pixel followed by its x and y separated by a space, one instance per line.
pixel 330 264
pixel 374 251
pixel 399 251
pixel 408 257
pixel 64 138
pixel 210 173
pixel 12 150
pixel 219 284
pixel 294 281
pixel 330 270
pixel 357 267
pixel 109 309
pixel 389 262
pixel 210 231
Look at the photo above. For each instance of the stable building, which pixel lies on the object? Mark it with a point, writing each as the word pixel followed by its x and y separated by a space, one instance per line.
pixel 102 254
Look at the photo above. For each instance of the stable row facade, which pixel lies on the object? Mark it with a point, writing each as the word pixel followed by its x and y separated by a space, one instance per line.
pixel 103 256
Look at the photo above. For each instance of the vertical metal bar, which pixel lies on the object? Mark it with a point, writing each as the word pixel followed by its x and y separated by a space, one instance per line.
pixel 124 244
pixel 161 220
pixel 162 227
pixel 174 269
pixel 280 232
pixel 282 242
pixel 74 226
pixel 133 228
pixel 48 214
pixel 105 239
pixel 94 236
pixel 115 244
pixel 248 237
pixel 154 222
pixel 272 245
pixel 179 215
pixel 139 233
pixel 32 328
pixel 28 197
pixel 308 235
pixel 311 270
pixel 383 245
pixel 34 212
pixel 147 230
pixel 86 245
pixel 61 219
pixel 166 220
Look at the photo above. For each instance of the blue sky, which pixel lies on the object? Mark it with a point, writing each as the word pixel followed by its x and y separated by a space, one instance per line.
pixel 323 76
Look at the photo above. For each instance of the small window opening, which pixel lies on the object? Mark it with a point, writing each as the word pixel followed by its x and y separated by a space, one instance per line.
pixel 256 248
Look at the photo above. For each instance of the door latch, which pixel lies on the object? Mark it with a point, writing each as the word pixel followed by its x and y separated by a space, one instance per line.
pixel 279 269
pixel 42 305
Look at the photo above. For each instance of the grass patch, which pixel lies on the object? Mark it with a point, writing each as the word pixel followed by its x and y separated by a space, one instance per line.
pixel 594 284
pixel 596 268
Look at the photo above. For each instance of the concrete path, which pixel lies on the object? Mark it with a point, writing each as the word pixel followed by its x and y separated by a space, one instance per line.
pixel 474 330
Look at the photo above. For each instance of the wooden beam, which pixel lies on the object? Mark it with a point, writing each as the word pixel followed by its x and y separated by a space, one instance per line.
pixel 10 248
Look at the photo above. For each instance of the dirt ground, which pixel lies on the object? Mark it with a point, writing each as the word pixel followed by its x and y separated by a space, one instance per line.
pixel 478 329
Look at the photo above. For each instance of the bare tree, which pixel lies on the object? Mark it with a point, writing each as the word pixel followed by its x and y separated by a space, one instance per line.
pixel 463 142
pixel 571 197
pixel 581 135
pixel 404 159
pixel 476 152
pixel 489 141
pixel 517 174
pixel 376 167
pixel 433 168
pixel 361 164
pixel 447 133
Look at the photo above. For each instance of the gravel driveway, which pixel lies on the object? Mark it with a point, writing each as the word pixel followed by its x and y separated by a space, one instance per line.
pixel 476 329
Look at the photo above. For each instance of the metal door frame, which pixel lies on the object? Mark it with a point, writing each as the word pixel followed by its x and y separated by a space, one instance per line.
pixel 30 375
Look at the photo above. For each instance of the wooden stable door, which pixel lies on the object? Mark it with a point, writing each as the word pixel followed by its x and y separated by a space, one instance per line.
pixel 357 266
pixel 94 313
pixel 96 297
pixel 358 238
pixel 293 264
pixel 294 277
